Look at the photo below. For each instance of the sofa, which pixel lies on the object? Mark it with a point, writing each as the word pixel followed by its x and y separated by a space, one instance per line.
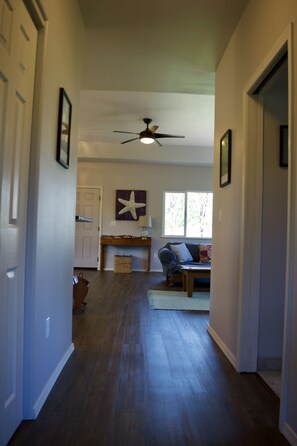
pixel 175 254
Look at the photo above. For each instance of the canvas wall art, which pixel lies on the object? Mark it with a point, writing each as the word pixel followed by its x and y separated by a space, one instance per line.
pixel 130 204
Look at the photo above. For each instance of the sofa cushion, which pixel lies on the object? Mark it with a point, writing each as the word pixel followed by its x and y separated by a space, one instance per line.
pixel 205 253
pixel 182 253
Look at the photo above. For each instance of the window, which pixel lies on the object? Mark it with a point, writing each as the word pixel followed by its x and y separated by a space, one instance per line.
pixel 187 214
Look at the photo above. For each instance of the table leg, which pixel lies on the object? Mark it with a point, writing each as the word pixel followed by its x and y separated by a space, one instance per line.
pixel 184 277
pixel 190 285
pixel 148 259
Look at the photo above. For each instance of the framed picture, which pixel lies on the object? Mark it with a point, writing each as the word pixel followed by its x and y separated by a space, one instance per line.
pixel 130 204
pixel 283 146
pixel 64 127
pixel 225 159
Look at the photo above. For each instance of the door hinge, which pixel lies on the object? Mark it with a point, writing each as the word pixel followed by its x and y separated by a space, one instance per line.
pixel 97 259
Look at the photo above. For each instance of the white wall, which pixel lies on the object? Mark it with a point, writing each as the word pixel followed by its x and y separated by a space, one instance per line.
pixel 262 24
pixel 50 247
pixel 154 178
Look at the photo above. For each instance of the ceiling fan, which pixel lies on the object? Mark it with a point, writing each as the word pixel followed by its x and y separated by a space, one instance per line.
pixel 149 135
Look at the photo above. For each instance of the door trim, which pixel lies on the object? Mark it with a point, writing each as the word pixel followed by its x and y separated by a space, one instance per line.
pixel 34 11
pixel 37 12
pixel 247 333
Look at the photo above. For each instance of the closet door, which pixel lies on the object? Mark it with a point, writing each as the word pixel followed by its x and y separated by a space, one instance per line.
pixel 18 39
pixel 87 234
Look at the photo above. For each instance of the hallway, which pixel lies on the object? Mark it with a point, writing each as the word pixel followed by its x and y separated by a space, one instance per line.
pixel 148 377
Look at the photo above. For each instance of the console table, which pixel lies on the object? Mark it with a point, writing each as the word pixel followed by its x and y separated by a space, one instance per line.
pixel 113 240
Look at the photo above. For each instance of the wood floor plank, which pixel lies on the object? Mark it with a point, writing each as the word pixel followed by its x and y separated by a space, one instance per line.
pixel 142 377
pixel 131 388
pixel 164 425
pixel 158 371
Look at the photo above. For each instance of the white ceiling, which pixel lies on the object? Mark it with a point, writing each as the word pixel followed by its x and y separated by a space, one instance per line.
pixel 154 60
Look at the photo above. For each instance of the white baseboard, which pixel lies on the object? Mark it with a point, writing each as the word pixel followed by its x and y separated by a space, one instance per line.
pixel 222 346
pixel 290 434
pixel 49 385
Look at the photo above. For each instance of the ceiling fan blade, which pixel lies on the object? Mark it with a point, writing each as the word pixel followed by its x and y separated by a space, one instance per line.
pixel 153 128
pixel 120 131
pixel 129 140
pixel 158 142
pixel 163 135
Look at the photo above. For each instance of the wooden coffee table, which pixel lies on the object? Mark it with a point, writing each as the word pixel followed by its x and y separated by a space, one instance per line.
pixel 192 272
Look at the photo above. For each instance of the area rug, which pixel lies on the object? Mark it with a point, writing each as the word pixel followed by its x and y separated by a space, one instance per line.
pixel 178 300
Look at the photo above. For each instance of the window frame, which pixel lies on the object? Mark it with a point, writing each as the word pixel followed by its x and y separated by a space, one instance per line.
pixel 184 236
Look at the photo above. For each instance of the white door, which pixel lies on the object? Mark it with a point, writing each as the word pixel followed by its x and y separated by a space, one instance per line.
pixel 87 234
pixel 18 38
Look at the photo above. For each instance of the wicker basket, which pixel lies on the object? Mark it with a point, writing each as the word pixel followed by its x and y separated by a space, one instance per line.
pixel 123 264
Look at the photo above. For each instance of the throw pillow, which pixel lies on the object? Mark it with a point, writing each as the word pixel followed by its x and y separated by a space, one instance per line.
pixel 182 253
pixel 194 251
pixel 205 253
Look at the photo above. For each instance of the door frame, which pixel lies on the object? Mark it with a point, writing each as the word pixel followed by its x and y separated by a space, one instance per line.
pixel 38 15
pixel 249 288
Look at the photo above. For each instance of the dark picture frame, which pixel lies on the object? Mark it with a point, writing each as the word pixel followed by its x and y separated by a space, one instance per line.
pixel 64 129
pixel 283 146
pixel 225 158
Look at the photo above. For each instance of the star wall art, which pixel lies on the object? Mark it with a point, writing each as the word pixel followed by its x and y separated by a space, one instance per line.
pixel 130 204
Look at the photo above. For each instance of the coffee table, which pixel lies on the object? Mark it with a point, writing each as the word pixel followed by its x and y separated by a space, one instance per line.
pixel 192 272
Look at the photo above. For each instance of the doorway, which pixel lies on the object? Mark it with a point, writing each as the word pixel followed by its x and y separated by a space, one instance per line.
pixel 273 95
pixel 251 224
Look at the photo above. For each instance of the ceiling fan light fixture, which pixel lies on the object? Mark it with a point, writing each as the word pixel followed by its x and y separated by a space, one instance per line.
pixel 146 137
pixel 147 140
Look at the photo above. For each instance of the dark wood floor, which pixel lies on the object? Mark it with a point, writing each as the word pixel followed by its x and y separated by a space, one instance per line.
pixel 148 377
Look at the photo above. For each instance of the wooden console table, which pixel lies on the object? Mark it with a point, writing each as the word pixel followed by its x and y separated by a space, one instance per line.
pixel 110 240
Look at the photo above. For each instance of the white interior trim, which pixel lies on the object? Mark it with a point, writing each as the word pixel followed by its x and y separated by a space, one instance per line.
pixel 37 12
pixel 218 340
pixel 28 410
pixel 291 230
pixel 50 384
pixel 251 211
pixel 250 249
pixel 251 224
pixel 290 435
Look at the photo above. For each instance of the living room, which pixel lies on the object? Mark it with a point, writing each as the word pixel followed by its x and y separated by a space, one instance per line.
pixel 154 179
